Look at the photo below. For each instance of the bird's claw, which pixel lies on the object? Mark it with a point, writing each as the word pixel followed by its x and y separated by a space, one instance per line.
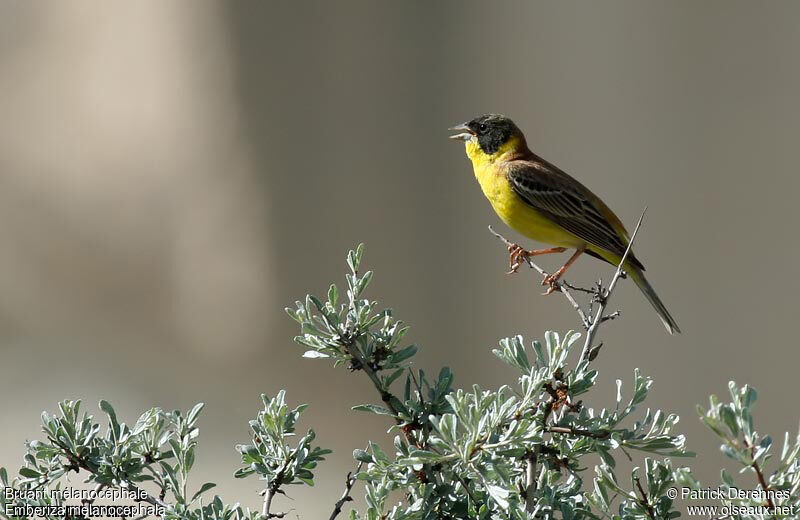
pixel 551 280
pixel 516 256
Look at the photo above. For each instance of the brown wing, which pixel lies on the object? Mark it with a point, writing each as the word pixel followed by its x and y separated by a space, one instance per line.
pixel 569 204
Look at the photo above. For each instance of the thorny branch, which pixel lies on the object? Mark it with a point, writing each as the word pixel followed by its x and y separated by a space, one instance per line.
pixel 530 480
pixel 392 401
pixel 269 494
pixel 760 476
pixel 348 487
pixel 606 295
pixel 645 503
pixel 361 363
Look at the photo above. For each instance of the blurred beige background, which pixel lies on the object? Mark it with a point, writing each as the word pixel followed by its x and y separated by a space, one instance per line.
pixel 172 174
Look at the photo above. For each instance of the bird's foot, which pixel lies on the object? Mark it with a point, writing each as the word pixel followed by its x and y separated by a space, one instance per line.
pixel 551 281
pixel 516 257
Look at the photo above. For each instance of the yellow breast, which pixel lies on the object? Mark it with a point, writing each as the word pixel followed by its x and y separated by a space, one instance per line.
pixel 518 215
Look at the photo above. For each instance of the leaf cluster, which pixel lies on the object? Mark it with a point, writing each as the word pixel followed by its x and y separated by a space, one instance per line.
pixel 270 455
pixel 732 423
pixel 462 453
pixel 528 449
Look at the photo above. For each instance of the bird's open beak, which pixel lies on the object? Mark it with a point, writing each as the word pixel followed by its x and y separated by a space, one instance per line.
pixel 465 132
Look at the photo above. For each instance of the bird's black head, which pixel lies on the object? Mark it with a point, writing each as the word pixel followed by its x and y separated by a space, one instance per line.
pixel 491 131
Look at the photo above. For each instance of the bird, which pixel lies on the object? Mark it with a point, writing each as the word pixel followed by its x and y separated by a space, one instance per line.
pixel 542 202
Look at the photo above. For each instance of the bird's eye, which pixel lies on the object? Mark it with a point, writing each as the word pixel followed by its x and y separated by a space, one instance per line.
pixel 482 127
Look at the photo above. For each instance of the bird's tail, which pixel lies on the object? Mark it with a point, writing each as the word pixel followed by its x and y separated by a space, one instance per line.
pixel 650 293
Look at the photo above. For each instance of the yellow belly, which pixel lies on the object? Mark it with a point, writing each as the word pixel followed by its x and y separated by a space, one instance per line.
pixel 516 213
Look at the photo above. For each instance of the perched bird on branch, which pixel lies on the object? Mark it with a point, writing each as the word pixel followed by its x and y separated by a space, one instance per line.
pixel 542 202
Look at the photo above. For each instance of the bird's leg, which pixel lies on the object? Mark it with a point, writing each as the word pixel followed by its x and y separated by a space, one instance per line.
pixel 517 255
pixel 552 279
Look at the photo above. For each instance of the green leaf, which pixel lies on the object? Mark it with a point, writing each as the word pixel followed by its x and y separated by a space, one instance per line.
pixel 363 282
pixel 420 457
pixel 499 494
pixel 29 473
pixel 109 410
pixel 378 454
pixel 373 408
pixel 243 472
pixel 362 456
pixel 392 377
pixel 401 355
pixel 354 258
pixel 205 487
pixel 333 295
pixel 729 418
pixel 191 417
pixel 314 354
pixel 189 459
pixel 606 457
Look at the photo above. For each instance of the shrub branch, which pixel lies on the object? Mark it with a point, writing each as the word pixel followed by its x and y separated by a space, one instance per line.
pixel 350 480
